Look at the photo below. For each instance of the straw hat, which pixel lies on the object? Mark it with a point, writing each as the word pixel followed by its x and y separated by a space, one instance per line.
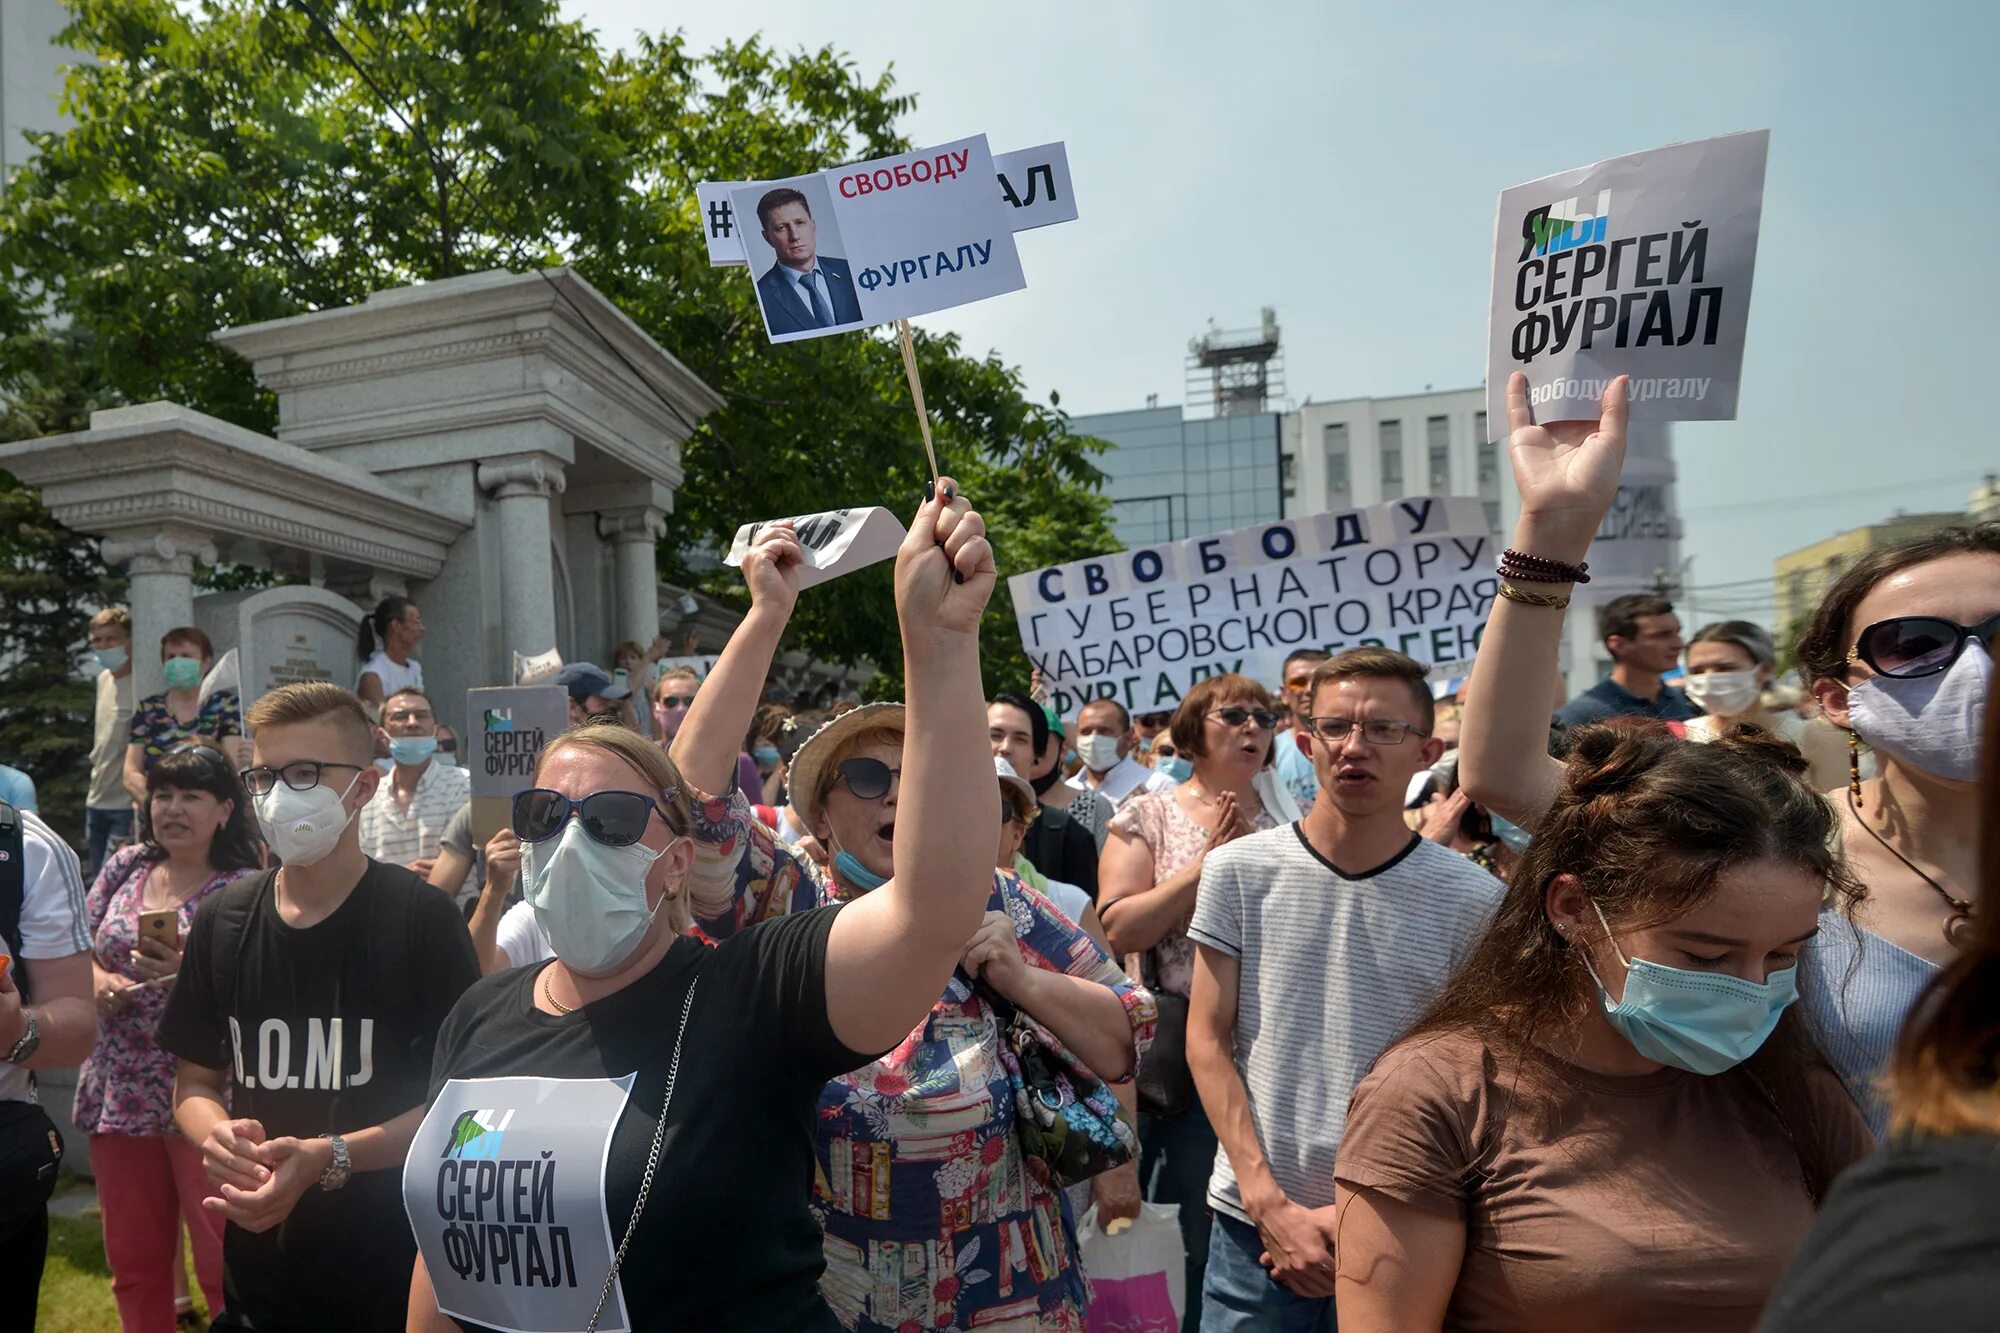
pixel 803 776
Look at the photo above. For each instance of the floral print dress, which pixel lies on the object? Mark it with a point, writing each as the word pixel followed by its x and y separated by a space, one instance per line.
pixel 934 1219
pixel 126 1086
pixel 1174 839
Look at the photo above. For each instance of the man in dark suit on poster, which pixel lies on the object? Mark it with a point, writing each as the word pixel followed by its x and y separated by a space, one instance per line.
pixel 804 290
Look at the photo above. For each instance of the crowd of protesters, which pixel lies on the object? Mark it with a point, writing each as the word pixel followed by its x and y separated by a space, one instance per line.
pixel 1678 1007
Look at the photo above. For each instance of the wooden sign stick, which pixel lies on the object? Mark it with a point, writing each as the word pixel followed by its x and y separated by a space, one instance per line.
pixel 916 391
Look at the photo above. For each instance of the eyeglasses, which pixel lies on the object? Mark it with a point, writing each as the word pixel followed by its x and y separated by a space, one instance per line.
pixel 676 700
pixel 868 779
pixel 614 818
pixel 1376 731
pixel 299 775
pixel 1907 647
pixel 1236 717
pixel 1154 719
pixel 205 751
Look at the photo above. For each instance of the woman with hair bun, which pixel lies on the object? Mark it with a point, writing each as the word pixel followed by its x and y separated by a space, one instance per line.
pixel 1609 1118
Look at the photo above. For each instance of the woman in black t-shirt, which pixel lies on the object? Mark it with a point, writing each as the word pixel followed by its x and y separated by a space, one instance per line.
pixel 624 1135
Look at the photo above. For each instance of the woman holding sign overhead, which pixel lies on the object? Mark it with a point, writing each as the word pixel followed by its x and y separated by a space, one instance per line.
pixel 623 1136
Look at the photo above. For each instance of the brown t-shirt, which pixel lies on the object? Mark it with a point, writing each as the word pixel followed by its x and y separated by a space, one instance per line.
pixel 1590 1202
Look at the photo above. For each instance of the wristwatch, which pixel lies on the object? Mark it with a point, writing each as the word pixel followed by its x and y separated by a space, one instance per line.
pixel 338 1170
pixel 31 1038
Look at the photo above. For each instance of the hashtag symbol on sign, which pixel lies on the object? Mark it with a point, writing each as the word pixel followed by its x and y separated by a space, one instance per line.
pixel 719 223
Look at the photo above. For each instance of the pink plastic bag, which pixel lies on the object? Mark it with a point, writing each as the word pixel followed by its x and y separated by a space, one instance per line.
pixel 1138 1278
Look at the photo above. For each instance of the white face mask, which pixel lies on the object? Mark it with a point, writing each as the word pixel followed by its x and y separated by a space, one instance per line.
pixel 304 826
pixel 1724 692
pixel 1933 723
pixel 589 898
pixel 1097 752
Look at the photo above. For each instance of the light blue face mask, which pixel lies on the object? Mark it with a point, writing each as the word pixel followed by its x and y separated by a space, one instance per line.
pixel 1175 767
pixel 1513 835
pixel 1703 1022
pixel 765 756
pixel 111 659
pixel 181 673
pixel 412 750
pixel 848 866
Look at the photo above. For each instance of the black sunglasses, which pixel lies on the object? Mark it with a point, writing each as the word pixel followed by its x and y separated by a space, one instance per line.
pixel 868 779
pixel 676 700
pixel 1909 647
pixel 205 751
pixel 614 818
pixel 1236 717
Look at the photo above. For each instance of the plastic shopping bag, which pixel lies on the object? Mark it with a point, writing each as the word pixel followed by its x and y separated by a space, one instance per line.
pixel 1138 1277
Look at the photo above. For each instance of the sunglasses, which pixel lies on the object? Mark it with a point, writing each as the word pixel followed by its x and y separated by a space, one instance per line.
pixel 1236 717
pixel 205 751
pixel 614 818
pixel 1908 647
pixel 868 779
pixel 676 700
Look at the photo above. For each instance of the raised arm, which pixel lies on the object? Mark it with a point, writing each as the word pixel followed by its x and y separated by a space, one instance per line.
pixel 1567 473
pixel 711 735
pixel 890 952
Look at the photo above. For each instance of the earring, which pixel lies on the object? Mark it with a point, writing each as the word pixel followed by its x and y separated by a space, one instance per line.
pixel 1854 769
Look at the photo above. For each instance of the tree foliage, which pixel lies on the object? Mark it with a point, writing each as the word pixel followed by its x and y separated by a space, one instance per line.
pixel 228 164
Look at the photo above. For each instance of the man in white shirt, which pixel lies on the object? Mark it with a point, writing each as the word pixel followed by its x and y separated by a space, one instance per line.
pixel 107 813
pixel 1104 743
pixel 403 824
pixel 47 1021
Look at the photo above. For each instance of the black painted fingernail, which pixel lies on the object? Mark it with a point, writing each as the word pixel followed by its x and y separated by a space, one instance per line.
pixel 948 491
pixel 930 491
pixel 957 577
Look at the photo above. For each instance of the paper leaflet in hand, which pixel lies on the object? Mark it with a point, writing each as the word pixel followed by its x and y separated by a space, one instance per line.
pixel 528 670
pixel 835 543
pixel 226 674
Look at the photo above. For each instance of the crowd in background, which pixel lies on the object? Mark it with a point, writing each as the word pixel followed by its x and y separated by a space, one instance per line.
pixel 1425 1004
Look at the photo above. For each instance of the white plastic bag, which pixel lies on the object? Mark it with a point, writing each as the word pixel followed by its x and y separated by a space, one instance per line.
pixel 1138 1278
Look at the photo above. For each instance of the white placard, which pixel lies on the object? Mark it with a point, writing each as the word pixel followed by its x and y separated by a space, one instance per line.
pixel 1033 182
pixel 1637 266
pixel 1142 626
pixel 836 542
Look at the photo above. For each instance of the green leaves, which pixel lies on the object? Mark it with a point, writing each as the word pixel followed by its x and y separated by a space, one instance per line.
pixel 229 165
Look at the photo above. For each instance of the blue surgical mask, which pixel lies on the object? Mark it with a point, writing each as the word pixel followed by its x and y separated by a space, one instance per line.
pixel 1513 835
pixel 1703 1022
pixel 766 756
pixel 589 898
pixel 1175 767
pixel 848 866
pixel 181 673
pixel 111 659
pixel 412 750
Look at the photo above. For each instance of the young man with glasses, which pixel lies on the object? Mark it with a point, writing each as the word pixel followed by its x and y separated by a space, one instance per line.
pixel 320 986
pixel 1317 944
pixel 403 824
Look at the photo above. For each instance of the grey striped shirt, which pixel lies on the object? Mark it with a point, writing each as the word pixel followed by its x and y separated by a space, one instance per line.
pixel 1334 968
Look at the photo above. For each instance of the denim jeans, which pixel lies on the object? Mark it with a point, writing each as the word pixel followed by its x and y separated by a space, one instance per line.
pixel 99 828
pixel 1175 1159
pixel 1241 1295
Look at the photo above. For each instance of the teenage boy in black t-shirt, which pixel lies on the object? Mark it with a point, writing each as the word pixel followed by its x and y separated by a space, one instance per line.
pixel 317 990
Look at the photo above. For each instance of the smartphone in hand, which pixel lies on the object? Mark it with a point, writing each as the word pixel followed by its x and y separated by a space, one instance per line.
pixel 164 926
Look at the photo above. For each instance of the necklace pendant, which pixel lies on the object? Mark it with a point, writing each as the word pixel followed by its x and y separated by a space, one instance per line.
pixel 1958 928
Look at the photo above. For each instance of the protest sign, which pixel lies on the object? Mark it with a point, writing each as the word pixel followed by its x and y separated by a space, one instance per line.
pixel 1142 626
pixel 1034 184
pixel 834 543
pixel 853 246
pixel 1637 266
pixel 539 666
pixel 510 725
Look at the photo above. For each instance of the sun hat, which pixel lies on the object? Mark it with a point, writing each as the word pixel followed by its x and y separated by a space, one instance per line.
pixel 803 775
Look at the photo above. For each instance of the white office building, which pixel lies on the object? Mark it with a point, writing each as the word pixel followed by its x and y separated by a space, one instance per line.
pixel 31 75
pixel 1362 451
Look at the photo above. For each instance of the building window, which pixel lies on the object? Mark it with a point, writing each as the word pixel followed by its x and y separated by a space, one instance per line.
pixel 1438 434
pixel 1489 461
pixel 1492 508
pixel 1338 482
pixel 1390 436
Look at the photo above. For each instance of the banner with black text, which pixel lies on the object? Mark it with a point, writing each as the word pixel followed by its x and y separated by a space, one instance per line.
pixel 1142 626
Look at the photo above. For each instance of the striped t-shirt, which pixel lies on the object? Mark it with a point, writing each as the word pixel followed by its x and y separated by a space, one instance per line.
pixel 1334 968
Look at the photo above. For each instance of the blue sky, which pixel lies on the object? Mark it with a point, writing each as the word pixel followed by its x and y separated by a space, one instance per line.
pixel 1339 162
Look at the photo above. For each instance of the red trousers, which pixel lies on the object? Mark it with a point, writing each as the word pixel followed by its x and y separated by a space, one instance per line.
pixel 145 1186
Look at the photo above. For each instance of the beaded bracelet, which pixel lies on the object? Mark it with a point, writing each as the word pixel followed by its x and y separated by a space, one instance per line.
pixel 1514 594
pixel 1541 569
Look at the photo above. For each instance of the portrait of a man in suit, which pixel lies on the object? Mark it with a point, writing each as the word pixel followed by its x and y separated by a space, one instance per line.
pixel 805 290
